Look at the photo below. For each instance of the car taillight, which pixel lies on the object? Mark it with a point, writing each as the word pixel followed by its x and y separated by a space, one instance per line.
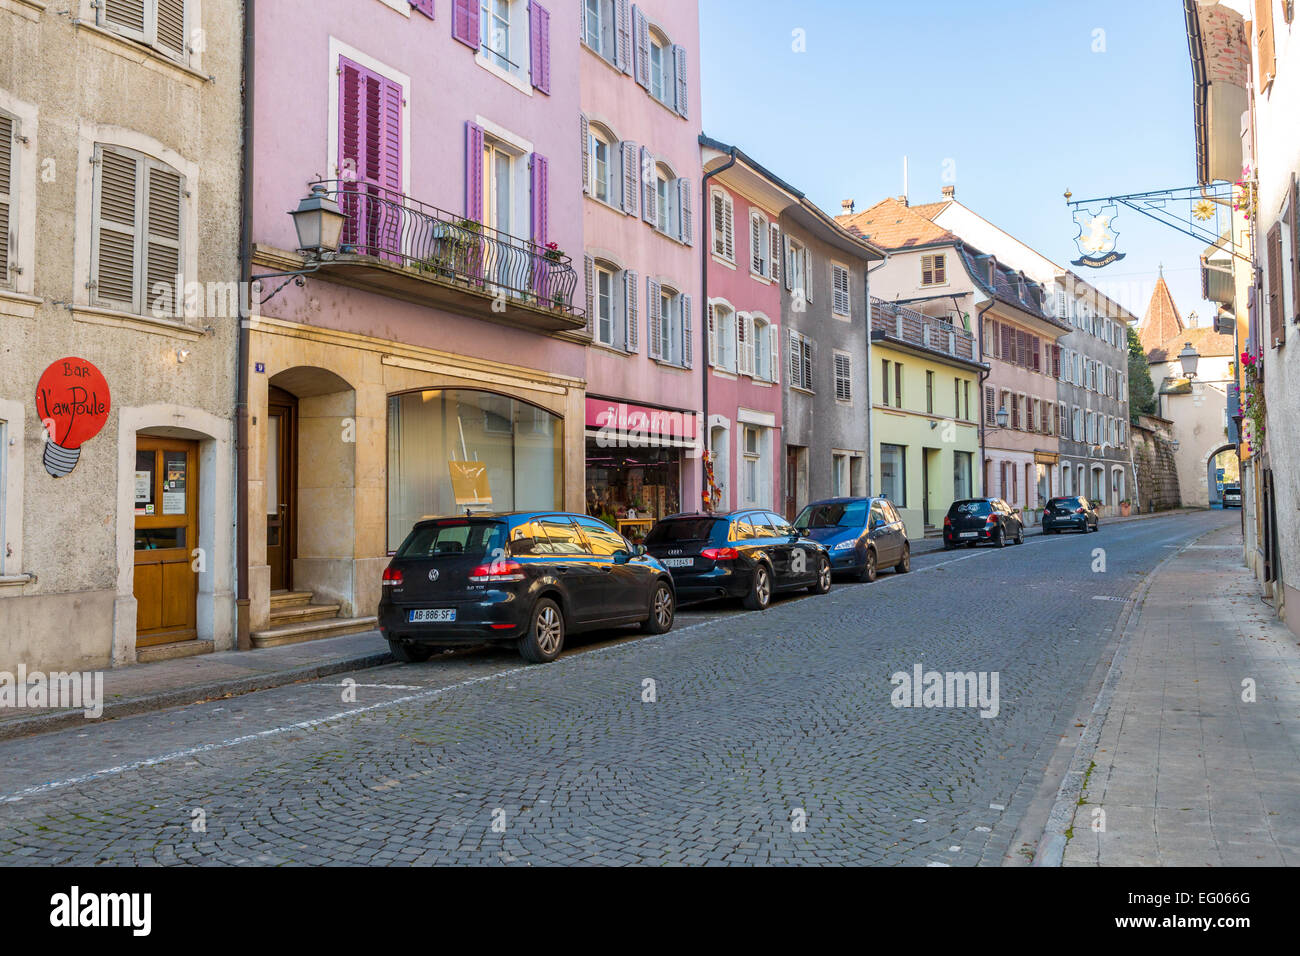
pixel 991 519
pixel 1078 511
pixel 392 578
pixel 496 571
pixel 720 554
pixel 947 522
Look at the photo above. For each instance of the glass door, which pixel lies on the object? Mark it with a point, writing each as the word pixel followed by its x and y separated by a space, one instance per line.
pixel 166 540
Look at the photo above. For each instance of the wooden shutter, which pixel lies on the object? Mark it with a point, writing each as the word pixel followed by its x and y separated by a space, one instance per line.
pixel 424 6
pixel 796 359
pixel 645 176
pixel 688 333
pixel 1056 362
pixel 8 164
pixel 464 22
pixel 127 16
pixel 539 41
pixel 807 275
pixel 774 247
pixel 652 311
pixel 1265 43
pixel 940 270
pixel 641 39
pixel 540 172
pixel 589 272
pixel 843 378
pixel 1276 331
pixel 584 128
pixel 990 405
pixel 841 300
pixel 686 230
pixel 1038 359
pixel 115 266
pixel 631 287
pixel 473 171
pixel 628 158
pixel 809 364
pixel 679 69
pixel 1295 246
pixel 164 190
pixel 927 270
pixel 623 36
pixel 756 244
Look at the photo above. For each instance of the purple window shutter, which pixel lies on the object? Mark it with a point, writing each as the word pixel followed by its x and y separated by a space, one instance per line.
pixel 473 172
pixel 464 22
pixel 540 198
pixel 539 30
pixel 424 6
pixel 389 176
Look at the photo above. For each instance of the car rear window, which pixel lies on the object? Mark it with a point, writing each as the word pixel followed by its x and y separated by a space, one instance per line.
pixel 970 508
pixel 459 537
pixel 1063 504
pixel 843 514
pixel 681 529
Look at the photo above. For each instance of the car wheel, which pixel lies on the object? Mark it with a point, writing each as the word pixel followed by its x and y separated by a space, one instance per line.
pixel 760 591
pixel 868 573
pixel 1020 535
pixel 905 562
pixel 409 653
pixel 948 546
pixel 823 584
pixel 1000 540
pixel 544 639
pixel 661 611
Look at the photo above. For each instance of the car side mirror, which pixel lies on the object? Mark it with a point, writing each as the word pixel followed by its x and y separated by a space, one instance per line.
pixel 802 530
pixel 638 550
pixel 622 557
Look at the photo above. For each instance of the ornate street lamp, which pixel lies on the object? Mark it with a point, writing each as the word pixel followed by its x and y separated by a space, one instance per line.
pixel 1003 416
pixel 319 224
pixel 1189 358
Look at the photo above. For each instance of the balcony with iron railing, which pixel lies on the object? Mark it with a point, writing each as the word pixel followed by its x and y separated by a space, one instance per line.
pixel 902 326
pixel 398 246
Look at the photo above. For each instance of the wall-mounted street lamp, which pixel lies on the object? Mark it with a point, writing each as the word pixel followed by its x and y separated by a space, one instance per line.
pixel 1003 416
pixel 1189 358
pixel 318 221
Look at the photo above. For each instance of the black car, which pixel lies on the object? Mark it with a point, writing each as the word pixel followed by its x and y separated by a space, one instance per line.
pixel 1071 513
pixel 746 554
pixel 524 578
pixel 1232 496
pixel 861 534
pixel 974 520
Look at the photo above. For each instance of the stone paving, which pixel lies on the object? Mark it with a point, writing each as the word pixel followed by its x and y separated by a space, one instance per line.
pixel 760 723
pixel 1188 772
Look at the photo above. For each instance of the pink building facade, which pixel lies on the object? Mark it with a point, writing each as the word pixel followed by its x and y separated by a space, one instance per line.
pixel 638 189
pixel 437 361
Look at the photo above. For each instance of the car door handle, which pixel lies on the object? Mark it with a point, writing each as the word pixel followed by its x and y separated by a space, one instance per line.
pixel 562 569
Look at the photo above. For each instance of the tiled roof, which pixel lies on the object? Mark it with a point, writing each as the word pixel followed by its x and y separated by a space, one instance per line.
pixel 1008 286
pixel 1204 339
pixel 893 226
pixel 930 210
pixel 1162 321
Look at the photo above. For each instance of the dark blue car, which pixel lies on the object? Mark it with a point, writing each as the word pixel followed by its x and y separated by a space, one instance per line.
pixel 861 534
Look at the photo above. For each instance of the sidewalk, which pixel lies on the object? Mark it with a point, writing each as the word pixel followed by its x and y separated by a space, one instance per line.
pixel 926 545
pixel 148 687
pixel 1185 771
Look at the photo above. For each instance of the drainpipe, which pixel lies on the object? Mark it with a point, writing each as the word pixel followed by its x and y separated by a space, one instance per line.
pixel 241 370
pixel 705 249
pixel 984 455
pixel 871 417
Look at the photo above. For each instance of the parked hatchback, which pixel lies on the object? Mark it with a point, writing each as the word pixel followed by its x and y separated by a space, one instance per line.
pixel 749 555
pixel 1232 496
pixel 861 534
pixel 975 520
pixel 1071 513
pixel 527 579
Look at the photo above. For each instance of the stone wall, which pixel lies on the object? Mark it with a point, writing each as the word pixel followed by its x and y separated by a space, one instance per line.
pixel 1153 459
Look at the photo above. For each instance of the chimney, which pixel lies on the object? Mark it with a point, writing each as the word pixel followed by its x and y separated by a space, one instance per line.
pixel 902 199
pixel 847 205
pixel 949 192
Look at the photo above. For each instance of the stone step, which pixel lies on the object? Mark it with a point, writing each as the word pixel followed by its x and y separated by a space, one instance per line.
pixel 281 599
pixel 170 652
pixel 301 613
pixel 312 631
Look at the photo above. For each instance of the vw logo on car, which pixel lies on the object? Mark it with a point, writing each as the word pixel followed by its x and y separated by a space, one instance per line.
pixel 433 574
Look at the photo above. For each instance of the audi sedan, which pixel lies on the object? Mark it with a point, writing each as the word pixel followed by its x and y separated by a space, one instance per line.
pixel 1071 513
pixel 861 534
pixel 973 521
pixel 749 555
pixel 522 579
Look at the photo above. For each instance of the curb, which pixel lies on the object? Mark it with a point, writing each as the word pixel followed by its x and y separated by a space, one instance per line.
pixel 192 694
pixel 1050 850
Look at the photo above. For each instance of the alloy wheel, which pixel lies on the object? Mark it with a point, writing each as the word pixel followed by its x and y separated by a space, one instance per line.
pixel 548 628
pixel 663 609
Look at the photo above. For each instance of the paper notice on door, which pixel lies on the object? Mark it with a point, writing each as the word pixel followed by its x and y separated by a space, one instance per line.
pixel 469 483
pixel 143 486
pixel 173 503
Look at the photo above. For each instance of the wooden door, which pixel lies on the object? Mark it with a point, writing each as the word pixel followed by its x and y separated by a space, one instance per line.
pixel 166 581
pixel 281 487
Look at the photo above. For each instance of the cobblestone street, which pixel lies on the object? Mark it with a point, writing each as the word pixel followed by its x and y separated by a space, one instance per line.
pixel 760 722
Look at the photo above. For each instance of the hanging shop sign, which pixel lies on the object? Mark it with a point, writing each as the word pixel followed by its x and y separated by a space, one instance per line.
pixel 72 401
pixel 1097 237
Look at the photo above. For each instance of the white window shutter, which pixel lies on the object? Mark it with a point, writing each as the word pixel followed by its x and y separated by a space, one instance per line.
pixel 751 347
pixel 683 90
pixel 773 346
pixel 785 262
pixel 712 332
pixel 631 174
pixel 774 251
pixel 796 359
pixel 623 39
pixel 586 153
pixel 755 244
pixel 653 311
pixel 648 199
pixel 729 227
pixel 630 290
pixel 807 274
pixel 171 29
pixel 684 218
pixel 641 37
pixel 126 16
pixel 589 270
pixel 688 334
pixel 115 266
pixel 164 213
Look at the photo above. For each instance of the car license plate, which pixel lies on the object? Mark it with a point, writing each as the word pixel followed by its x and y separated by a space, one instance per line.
pixel 432 616
pixel 677 562
pixel 970 534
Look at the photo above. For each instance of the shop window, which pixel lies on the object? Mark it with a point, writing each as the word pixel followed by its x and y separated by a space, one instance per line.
pixel 629 488
pixel 452 450
pixel 893 474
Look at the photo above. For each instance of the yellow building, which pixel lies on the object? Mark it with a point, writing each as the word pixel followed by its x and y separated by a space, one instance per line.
pixel 925 409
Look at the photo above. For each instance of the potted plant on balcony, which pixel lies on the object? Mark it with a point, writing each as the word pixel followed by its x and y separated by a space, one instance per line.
pixel 455 249
pixel 553 252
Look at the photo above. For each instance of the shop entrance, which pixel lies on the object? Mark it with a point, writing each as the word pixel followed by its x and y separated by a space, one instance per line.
pixel 166 536
pixel 281 487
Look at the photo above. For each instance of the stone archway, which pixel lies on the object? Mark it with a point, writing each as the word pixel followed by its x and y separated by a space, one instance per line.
pixel 1211 478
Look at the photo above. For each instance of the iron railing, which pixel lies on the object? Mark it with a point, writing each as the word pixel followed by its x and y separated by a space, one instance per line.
pixel 393 227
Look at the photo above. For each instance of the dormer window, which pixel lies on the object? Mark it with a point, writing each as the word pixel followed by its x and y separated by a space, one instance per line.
pixel 934 270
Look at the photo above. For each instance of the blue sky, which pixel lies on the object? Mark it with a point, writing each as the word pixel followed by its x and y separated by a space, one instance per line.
pixel 1009 92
